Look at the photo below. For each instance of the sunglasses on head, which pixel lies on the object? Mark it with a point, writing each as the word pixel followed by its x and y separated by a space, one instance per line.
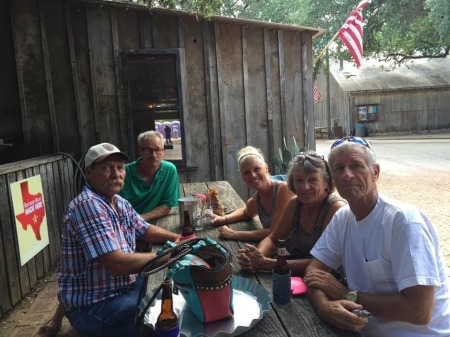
pixel 302 156
pixel 308 154
pixel 351 139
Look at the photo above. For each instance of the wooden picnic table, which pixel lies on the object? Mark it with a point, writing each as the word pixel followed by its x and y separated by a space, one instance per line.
pixel 296 318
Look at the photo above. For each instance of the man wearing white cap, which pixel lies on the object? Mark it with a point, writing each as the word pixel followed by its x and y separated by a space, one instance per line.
pixel 98 264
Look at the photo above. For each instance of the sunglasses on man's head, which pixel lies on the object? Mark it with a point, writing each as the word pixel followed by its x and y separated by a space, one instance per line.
pixel 351 139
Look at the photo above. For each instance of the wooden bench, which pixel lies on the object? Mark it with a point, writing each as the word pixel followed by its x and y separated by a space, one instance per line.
pixel 321 131
pixel 168 146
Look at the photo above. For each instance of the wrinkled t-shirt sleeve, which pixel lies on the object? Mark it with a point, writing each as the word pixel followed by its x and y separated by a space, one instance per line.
pixel 414 257
pixel 328 249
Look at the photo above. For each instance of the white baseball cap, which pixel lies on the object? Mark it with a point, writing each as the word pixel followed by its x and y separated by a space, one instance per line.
pixel 100 151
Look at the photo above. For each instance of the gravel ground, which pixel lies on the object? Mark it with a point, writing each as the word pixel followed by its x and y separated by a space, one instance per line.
pixel 429 191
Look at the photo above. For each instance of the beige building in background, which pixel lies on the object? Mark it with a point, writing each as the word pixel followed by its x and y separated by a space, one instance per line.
pixel 412 98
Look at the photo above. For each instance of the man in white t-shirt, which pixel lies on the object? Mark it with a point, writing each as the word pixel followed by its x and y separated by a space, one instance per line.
pixel 390 254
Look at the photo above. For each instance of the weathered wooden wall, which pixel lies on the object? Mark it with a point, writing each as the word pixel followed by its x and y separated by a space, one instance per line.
pixel 401 110
pixel 245 84
pixel 57 176
pixel 10 120
pixel 339 105
pixel 419 110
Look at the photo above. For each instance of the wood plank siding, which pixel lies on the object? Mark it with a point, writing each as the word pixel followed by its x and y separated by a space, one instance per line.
pixel 246 82
pixel 57 177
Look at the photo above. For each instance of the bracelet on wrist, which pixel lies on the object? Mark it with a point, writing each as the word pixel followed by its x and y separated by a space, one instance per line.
pixel 226 220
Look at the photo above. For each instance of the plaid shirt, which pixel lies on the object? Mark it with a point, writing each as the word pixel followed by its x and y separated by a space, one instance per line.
pixel 91 229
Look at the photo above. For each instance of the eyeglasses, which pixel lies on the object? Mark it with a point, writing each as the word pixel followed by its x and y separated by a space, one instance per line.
pixel 351 139
pixel 150 150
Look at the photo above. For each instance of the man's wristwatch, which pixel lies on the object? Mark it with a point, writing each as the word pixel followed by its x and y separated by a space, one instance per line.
pixel 352 296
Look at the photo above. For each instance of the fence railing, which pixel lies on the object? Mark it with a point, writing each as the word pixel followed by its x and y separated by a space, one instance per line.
pixel 57 178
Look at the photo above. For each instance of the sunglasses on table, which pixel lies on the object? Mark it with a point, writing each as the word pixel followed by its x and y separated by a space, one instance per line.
pixel 351 139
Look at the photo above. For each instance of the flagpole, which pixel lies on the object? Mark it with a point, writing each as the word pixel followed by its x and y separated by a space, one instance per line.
pixel 328 94
pixel 360 7
pixel 326 47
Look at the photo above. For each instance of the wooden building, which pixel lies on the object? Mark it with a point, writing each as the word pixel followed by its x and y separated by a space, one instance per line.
pixel 382 99
pixel 78 72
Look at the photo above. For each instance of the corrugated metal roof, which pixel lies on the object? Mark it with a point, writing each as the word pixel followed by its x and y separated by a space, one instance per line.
pixel 381 76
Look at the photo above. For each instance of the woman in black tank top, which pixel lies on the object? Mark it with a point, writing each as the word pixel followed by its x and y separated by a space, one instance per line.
pixel 304 218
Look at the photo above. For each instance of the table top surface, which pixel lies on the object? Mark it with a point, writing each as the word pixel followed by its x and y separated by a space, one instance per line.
pixel 296 318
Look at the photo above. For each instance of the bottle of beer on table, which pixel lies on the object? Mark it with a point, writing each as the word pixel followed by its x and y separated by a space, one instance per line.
pixel 167 324
pixel 281 276
pixel 187 231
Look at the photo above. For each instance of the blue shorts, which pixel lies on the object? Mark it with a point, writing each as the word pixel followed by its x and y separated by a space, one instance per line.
pixel 113 317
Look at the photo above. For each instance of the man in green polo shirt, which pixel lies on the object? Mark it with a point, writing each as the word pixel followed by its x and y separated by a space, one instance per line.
pixel 151 183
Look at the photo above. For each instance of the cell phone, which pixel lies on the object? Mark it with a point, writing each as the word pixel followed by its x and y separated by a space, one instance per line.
pixel 298 287
pixel 362 313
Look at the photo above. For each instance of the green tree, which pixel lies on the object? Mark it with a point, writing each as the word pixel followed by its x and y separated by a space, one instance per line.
pixel 264 10
pixel 202 7
pixel 440 16
pixel 398 30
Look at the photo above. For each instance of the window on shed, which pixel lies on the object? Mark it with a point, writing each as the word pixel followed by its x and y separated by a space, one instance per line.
pixel 367 113
pixel 153 84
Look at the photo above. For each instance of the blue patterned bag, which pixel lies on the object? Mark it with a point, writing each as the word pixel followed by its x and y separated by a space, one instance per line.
pixel 201 271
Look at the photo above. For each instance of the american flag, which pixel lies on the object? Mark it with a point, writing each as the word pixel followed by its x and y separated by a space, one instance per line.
pixel 351 33
pixel 316 95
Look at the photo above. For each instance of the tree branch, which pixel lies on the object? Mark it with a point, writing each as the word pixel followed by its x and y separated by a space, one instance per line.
pixel 400 58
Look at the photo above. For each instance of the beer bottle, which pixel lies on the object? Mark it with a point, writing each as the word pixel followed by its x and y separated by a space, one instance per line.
pixel 167 324
pixel 281 276
pixel 187 231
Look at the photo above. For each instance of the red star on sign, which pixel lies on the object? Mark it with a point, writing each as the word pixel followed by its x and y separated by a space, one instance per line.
pixel 34 211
